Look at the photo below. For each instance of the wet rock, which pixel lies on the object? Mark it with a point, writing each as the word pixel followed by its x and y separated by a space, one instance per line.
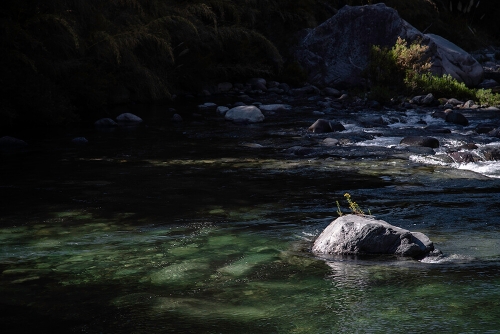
pixel 354 234
pixel 464 157
pixel 323 126
pixel 437 129
pixel 105 123
pixel 300 150
pixel 128 118
pixel 456 118
pixel 491 153
pixel 438 114
pixel 485 128
pixel 494 133
pixel 330 142
pixel 420 141
pixel 373 121
pixel 245 114
pixel 275 107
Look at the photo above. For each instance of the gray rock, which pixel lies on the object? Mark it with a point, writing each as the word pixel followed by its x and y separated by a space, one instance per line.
pixel 337 51
pixel 275 107
pixel 245 114
pixel 494 133
pixel 354 234
pixel 420 141
pixel 207 106
pixel 128 118
pixel 451 59
pixel 323 126
pixel 330 142
pixel 423 99
pixel 372 121
pixel 491 153
pixel 222 110
pixel 456 118
pixel 469 104
pixel 105 123
pixel 464 157
pixel 454 102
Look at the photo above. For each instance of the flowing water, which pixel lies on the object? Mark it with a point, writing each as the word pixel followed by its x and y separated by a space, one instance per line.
pixel 179 229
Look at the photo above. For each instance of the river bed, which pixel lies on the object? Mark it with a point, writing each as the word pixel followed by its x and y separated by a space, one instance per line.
pixel 205 227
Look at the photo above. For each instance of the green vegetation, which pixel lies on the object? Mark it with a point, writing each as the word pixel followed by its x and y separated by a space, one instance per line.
pixel 353 206
pixel 405 69
pixel 64 60
pixel 67 59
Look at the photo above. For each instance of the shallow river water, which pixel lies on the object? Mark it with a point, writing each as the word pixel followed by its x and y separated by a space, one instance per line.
pixel 171 228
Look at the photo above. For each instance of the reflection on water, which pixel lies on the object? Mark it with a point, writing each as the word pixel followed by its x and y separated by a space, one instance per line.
pixel 128 238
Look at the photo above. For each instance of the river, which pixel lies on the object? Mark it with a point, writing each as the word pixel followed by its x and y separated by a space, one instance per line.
pixel 205 227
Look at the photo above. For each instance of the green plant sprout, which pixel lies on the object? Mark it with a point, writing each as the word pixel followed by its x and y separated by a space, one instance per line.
pixel 353 206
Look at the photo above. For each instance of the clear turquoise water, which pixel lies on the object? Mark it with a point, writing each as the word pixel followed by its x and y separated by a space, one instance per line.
pixel 173 231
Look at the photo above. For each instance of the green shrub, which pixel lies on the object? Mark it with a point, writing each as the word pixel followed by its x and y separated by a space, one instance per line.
pixel 487 97
pixel 405 69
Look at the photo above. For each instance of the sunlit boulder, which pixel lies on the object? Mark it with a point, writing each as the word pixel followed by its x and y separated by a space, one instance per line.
pixel 356 234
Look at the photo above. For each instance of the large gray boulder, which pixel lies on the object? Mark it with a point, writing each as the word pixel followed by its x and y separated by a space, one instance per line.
pixel 244 114
pixel 336 52
pixel 354 234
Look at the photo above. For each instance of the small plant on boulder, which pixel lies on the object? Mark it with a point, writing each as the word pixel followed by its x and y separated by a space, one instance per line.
pixel 353 206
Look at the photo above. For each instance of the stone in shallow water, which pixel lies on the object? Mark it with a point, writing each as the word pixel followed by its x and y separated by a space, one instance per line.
pixel 420 141
pixel 354 234
pixel 245 114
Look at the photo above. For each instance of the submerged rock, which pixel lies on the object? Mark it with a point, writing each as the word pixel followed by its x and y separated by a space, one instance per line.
pixel 353 234
pixel 456 118
pixel 323 125
pixel 420 141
